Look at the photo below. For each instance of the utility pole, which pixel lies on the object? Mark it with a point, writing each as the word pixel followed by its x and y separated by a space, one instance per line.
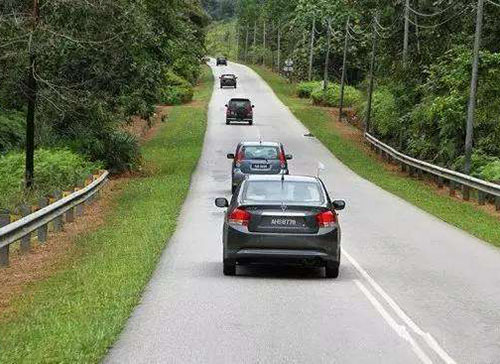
pixel 473 87
pixel 313 30
pixel 264 45
pixel 254 39
pixel 31 94
pixel 372 70
pixel 246 45
pixel 344 63
pixel 407 30
pixel 279 47
pixel 237 43
pixel 325 75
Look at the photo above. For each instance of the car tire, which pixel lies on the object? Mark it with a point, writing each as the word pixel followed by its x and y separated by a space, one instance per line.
pixel 227 122
pixel 250 122
pixel 229 269
pixel 332 270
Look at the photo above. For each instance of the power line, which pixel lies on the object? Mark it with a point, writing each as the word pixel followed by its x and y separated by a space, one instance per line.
pixel 439 24
pixel 431 14
pixel 493 3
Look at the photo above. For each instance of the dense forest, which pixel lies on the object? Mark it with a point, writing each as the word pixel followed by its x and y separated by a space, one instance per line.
pixel 93 65
pixel 421 83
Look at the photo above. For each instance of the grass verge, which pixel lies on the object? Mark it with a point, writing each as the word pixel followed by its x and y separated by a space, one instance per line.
pixel 461 214
pixel 77 314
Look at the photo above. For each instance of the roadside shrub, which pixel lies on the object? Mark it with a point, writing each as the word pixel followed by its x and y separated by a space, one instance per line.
pixel 304 89
pixel 12 130
pixel 385 117
pixel 54 169
pixel 331 97
pixel 176 90
pixel 491 171
pixel 482 166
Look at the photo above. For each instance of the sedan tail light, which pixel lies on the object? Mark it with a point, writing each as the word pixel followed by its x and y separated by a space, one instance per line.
pixel 239 217
pixel 282 160
pixel 326 219
pixel 239 158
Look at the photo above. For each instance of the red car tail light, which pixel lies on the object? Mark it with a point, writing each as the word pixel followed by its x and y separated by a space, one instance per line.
pixel 282 160
pixel 239 217
pixel 239 158
pixel 326 219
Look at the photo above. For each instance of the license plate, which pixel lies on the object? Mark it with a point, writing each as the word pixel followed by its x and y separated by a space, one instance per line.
pixel 260 166
pixel 281 221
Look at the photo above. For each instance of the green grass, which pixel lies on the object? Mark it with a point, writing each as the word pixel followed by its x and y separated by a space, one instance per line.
pixel 77 314
pixel 458 213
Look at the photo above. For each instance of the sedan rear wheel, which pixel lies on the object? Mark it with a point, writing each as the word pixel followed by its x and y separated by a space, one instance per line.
pixel 229 268
pixel 332 270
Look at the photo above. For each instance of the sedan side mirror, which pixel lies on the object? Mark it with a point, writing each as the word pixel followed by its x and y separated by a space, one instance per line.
pixel 253 106
pixel 288 156
pixel 225 105
pixel 221 202
pixel 338 204
pixel 230 156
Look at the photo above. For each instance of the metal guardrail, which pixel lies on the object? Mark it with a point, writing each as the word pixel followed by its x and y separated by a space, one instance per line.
pixel 39 220
pixel 455 178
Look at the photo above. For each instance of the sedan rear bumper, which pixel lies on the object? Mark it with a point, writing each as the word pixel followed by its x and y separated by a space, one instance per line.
pixel 243 246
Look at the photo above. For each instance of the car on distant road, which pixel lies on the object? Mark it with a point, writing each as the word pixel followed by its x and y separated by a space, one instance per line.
pixel 257 158
pixel 221 61
pixel 228 80
pixel 239 110
pixel 279 219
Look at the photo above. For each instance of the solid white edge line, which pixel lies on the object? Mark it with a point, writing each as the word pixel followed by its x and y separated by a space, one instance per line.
pixel 429 339
pixel 399 329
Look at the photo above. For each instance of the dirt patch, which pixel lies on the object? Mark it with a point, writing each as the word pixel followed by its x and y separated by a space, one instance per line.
pixel 145 130
pixel 42 261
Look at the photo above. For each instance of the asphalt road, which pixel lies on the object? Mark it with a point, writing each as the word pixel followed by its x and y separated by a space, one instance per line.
pixel 411 288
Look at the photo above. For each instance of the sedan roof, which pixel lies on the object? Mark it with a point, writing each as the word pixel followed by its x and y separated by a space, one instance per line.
pixel 277 177
pixel 265 144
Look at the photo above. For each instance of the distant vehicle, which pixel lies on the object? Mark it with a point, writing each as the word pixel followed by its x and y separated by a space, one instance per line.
pixel 257 158
pixel 238 109
pixel 221 61
pixel 228 80
pixel 281 220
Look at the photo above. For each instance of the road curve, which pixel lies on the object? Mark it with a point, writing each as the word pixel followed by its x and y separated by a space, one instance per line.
pixel 411 289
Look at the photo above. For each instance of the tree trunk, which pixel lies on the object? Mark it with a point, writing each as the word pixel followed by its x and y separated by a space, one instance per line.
pixel 325 75
pixel 311 49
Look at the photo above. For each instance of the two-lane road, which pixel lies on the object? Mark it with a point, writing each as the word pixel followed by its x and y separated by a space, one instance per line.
pixel 411 288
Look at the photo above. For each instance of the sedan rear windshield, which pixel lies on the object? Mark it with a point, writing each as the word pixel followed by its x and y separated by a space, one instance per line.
pixel 228 76
pixel 288 192
pixel 260 152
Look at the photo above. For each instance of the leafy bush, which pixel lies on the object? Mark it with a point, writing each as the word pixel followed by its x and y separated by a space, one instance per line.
pixel 12 130
pixel 331 97
pixel 482 166
pixel 176 90
pixel 491 171
pixel 304 89
pixel 385 117
pixel 54 169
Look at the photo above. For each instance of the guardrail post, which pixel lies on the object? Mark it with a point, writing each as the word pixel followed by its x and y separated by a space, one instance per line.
pixel 58 221
pixel 420 174
pixel 411 171
pixel 481 197
pixel 440 182
pixel 452 188
pixel 497 203
pixel 4 252
pixel 25 240
pixel 88 181
pixel 79 208
pixel 42 230
pixel 466 193
pixel 70 214
pixel 403 167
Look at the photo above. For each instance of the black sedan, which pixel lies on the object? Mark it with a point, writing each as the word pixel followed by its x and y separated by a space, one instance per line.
pixel 228 80
pixel 221 61
pixel 281 220
pixel 252 157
